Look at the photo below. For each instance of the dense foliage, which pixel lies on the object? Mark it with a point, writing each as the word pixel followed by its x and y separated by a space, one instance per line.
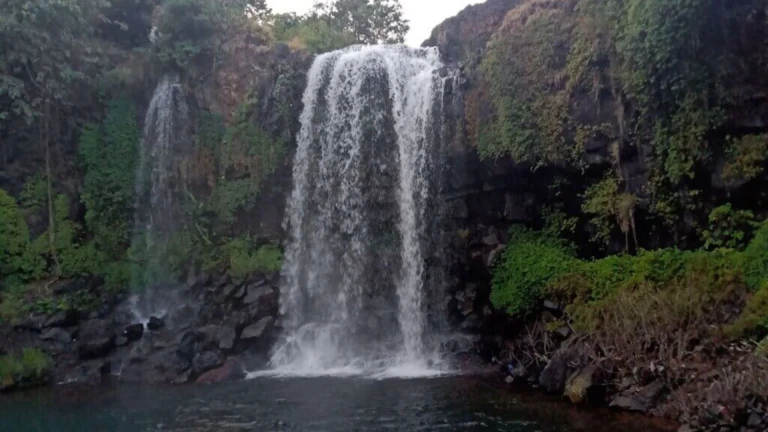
pixel 335 24
pixel 29 367
pixel 651 92
pixel 72 76
pixel 538 266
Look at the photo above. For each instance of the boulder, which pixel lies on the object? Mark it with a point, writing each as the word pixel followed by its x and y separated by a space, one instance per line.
pixel 582 384
pixel 228 290
pixel 257 330
pixel 240 292
pixel 206 361
pixel 192 342
pixel 134 332
pixel 494 256
pixel 222 337
pixel 155 324
pixel 96 339
pixel 642 400
pixel 61 319
pixel 33 323
pixel 258 293
pixel 56 334
pixel 232 369
pixel 553 377
pixel 183 317
pixel 160 366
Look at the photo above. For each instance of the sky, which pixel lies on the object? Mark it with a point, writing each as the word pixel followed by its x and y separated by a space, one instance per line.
pixel 424 15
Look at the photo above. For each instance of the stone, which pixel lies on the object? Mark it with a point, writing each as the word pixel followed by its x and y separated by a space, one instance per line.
pixel 492 239
pixel 221 336
pixel 205 361
pixel 228 290
pixel 231 370
pixel 34 324
pixel 61 319
pixel 183 317
pixel 155 324
pixel 96 339
pixel 134 332
pixel 240 293
pixel 581 383
pixel 563 332
pixel 685 428
pixel 509 379
pixel 642 401
pixel 257 330
pixel 191 343
pixel 554 375
pixel 163 366
pixel 56 334
pixel 548 304
pixel 514 210
pixel 494 256
pixel 121 341
pixel 258 293
pixel 754 420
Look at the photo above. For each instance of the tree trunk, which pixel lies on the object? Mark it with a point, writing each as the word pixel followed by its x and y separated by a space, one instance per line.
pixel 45 140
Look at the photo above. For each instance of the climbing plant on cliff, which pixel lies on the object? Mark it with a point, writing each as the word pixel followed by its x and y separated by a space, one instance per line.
pixel 108 154
pixel 524 76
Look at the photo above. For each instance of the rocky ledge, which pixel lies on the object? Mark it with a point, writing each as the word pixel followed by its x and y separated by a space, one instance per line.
pixel 220 330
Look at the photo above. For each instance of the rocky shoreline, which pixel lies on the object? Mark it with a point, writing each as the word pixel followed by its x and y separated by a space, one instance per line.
pixel 227 328
pixel 224 329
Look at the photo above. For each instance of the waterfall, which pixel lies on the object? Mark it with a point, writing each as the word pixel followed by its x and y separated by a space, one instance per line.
pixel 166 131
pixel 359 219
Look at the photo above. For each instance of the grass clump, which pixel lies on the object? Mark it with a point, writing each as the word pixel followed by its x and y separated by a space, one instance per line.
pixel 30 367
pixel 529 265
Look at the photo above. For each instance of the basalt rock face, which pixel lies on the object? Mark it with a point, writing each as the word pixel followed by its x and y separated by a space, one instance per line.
pixel 465 35
pixel 111 345
pixel 482 198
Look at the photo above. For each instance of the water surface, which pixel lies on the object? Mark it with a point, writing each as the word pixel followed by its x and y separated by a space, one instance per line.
pixel 317 404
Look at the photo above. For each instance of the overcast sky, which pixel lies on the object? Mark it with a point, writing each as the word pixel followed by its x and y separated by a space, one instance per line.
pixel 424 15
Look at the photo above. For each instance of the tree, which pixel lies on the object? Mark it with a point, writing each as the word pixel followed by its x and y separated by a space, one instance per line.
pixel 43 69
pixel 370 21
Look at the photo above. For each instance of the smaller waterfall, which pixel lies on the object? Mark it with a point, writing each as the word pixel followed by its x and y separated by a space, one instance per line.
pixel 360 217
pixel 166 131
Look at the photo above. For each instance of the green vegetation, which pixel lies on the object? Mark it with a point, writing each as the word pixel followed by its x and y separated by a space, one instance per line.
pixel 756 259
pixel 336 24
pixel 651 77
pixel 32 366
pixel 608 208
pixel 245 259
pixel 530 264
pixel 538 266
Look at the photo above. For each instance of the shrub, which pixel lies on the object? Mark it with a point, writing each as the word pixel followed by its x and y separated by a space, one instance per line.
pixel 756 259
pixel 14 240
pixel 244 259
pixel 754 319
pixel 728 228
pixel 529 264
pixel 32 366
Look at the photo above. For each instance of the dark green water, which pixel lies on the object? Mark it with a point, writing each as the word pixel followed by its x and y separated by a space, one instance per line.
pixel 332 405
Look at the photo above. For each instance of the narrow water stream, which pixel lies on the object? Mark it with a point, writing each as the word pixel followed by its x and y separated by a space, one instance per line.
pixel 317 405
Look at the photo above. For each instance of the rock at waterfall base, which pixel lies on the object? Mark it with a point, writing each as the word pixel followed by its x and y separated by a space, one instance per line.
pixel 232 370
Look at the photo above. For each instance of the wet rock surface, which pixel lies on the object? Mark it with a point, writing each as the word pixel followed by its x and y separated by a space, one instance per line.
pixel 201 339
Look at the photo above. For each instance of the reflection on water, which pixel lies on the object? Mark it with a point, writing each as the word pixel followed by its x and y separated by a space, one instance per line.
pixel 333 405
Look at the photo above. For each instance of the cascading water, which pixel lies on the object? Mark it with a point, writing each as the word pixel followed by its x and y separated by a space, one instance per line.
pixel 166 130
pixel 360 216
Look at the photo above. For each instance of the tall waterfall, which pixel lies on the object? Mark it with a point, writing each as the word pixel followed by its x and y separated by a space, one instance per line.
pixel 361 215
pixel 166 131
